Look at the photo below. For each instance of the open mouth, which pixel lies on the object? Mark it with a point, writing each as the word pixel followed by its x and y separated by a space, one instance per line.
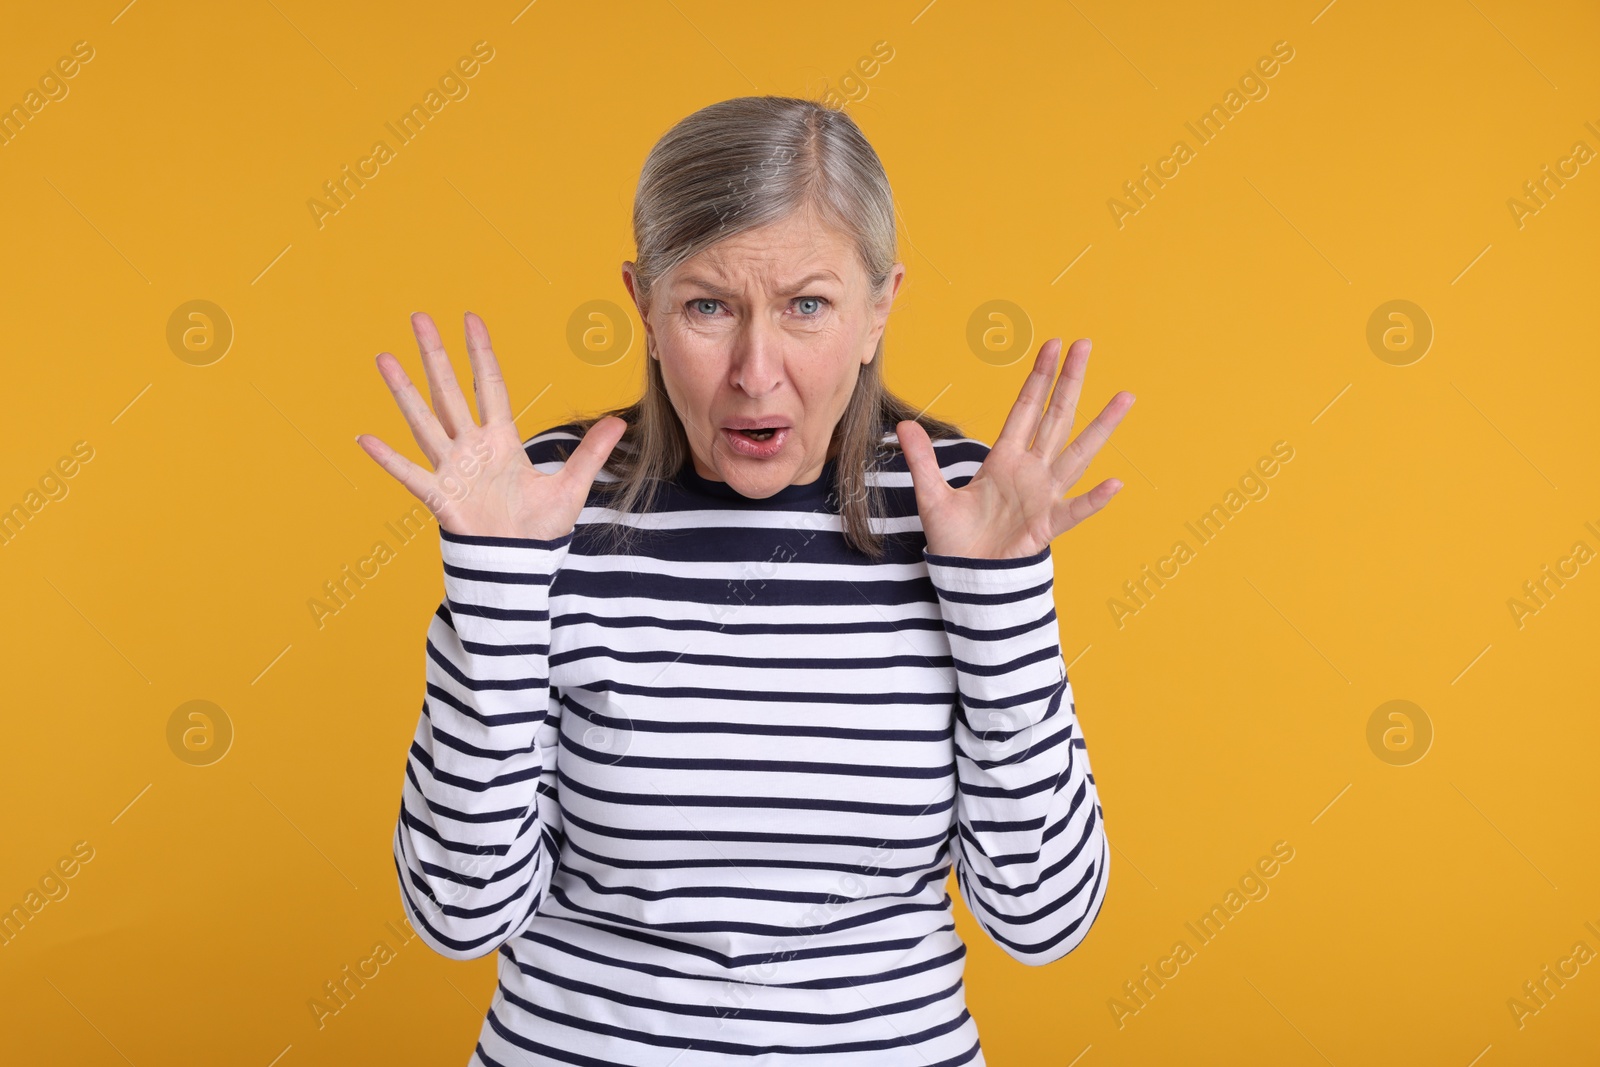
pixel 757 442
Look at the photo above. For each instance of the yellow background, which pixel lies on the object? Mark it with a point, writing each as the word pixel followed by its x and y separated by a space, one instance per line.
pixel 1229 713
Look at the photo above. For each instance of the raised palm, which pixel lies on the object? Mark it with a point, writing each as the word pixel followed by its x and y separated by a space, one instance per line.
pixel 1013 507
pixel 482 482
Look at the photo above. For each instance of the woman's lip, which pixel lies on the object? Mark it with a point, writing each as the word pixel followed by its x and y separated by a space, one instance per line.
pixel 745 446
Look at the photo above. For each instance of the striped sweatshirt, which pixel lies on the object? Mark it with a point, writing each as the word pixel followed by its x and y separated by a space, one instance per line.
pixel 704 796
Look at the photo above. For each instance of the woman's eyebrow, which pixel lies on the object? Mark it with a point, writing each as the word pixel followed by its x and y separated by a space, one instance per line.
pixel 814 276
pixel 701 283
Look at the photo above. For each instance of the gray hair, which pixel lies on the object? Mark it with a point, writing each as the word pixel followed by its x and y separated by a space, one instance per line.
pixel 733 166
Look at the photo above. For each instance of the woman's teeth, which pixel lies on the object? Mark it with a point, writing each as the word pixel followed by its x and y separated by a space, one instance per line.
pixel 759 435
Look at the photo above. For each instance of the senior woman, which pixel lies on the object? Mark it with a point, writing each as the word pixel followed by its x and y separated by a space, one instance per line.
pixel 725 681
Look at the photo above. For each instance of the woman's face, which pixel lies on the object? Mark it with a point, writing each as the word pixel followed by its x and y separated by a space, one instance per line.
pixel 770 327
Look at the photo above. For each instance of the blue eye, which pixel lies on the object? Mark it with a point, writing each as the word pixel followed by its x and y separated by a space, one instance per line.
pixel 695 304
pixel 812 300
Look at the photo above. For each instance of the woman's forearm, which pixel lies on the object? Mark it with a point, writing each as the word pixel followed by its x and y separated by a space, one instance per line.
pixel 477 836
pixel 1030 851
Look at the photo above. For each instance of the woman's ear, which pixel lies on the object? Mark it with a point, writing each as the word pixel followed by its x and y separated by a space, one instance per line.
pixel 880 309
pixel 628 279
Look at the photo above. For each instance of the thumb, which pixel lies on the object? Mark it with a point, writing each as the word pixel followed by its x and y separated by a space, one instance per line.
pixel 586 461
pixel 926 477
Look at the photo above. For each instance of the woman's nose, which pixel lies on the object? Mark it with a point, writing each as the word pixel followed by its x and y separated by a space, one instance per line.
pixel 758 359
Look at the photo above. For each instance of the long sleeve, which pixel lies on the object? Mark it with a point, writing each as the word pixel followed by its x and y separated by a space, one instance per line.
pixel 1031 853
pixel 479 828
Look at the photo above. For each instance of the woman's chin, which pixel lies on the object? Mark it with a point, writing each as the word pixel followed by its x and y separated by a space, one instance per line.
pixel 757 478
pixel 757 483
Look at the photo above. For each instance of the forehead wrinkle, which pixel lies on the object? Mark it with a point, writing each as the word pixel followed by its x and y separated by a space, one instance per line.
pixel 778 288
pixel 764 264
pixel 812 244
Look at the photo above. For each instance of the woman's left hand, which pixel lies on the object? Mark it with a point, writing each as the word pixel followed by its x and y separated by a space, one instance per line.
pixel 1013 507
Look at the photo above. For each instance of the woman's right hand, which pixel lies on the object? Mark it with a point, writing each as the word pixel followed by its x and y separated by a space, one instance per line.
pixel 482 482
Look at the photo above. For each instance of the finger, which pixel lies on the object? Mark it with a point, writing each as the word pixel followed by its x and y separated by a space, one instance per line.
pixel 407 473
pixel 494 402
pixel 448 400
pixel 1066 514
pixel 1063 409
pixel 927 479
pixel 1070 465
pixel 425 429
pixel 1023 419
pixel 586 461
